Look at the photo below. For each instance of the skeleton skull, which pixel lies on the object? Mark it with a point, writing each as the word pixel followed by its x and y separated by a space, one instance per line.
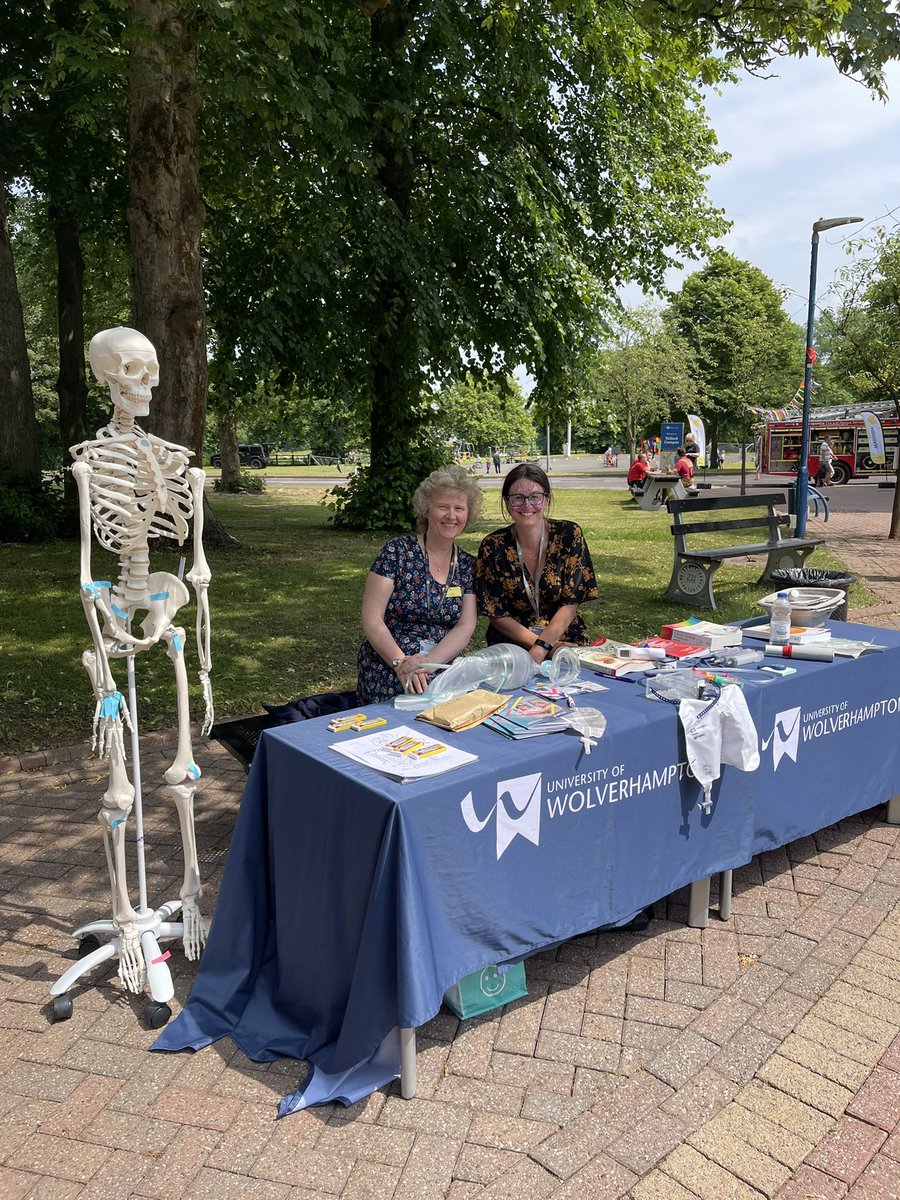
pixel 125 359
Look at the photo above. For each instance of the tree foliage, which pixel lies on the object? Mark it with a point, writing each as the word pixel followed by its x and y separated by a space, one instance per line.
pixel 644 375
pixel 488 413
pixel 746 349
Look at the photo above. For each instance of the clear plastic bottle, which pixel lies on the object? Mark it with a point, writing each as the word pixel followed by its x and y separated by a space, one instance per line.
pixel 780 620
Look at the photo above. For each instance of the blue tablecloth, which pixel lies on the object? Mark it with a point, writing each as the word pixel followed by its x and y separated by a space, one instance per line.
pixel 350 903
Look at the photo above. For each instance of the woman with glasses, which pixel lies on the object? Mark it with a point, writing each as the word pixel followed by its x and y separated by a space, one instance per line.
pixel 419 602
pixel 531 576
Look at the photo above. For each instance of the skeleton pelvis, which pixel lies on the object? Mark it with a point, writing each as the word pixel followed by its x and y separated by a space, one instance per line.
pixel 165 595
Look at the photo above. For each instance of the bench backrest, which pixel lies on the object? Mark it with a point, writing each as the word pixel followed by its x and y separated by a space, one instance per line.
pixel 762 504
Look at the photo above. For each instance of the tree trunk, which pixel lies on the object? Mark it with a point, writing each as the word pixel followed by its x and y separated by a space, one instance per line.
pixel 20 450
pixel 71 382
pixel 165 222
pixel 228 449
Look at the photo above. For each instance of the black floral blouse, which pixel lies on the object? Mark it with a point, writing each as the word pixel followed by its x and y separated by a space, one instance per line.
pixel 567 578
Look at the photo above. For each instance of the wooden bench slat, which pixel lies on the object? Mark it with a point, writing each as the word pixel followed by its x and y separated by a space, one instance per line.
pixel 761 500
pixel 738 523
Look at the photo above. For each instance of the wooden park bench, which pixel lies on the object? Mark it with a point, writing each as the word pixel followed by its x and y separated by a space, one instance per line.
pixel 694 566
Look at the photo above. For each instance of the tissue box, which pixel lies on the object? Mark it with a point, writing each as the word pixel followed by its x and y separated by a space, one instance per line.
pixel 483 990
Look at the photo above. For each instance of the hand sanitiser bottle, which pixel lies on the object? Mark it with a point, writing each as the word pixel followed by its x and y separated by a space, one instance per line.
pixel 780 620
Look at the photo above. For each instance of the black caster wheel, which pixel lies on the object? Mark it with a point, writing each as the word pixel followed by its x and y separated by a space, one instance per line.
pixel 155 1014
pixel 88 945
pixel 62 1007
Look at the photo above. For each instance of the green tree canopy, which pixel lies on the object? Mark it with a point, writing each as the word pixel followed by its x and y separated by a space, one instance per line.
pixel 489 413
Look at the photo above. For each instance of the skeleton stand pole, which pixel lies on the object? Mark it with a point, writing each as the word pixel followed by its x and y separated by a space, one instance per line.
pixel 154 926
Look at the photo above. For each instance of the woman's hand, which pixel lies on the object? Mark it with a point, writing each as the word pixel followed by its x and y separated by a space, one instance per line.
pixel 410 673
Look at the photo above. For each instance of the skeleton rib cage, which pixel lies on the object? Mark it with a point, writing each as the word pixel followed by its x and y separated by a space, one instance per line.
pixel 138 489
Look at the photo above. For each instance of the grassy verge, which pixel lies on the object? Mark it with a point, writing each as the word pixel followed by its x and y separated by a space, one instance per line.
pixel 285 608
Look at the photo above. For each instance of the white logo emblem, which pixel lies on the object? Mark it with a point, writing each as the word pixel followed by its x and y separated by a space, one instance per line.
pixel 786 734
pixel 524 798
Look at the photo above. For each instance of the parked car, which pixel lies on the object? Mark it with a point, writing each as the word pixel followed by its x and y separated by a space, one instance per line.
pixel 253 455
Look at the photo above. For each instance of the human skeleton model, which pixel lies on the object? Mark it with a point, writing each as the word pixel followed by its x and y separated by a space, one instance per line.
pixel 133 486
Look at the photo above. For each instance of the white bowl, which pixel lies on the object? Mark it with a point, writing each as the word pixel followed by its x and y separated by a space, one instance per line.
pixel 810 606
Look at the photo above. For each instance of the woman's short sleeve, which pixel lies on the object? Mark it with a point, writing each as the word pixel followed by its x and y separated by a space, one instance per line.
pixel 388 561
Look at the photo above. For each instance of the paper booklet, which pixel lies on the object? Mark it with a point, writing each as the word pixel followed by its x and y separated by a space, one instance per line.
pixel 604 663
pixel 404 754
pixel 527 716
pixel 800 635
pixel 550 691
pixel 674 649
pixel 703 633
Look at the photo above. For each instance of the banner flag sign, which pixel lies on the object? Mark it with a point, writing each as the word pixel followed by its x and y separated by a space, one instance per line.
pixel 699 433
pixel 671 434
pixel 876 436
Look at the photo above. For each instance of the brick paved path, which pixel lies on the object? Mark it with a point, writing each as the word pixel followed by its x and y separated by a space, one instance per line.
pixel 759 1057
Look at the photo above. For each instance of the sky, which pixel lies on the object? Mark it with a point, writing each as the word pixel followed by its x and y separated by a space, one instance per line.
pixel 805 143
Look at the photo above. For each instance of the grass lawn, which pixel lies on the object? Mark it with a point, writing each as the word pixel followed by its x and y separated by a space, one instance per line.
pixel 285 608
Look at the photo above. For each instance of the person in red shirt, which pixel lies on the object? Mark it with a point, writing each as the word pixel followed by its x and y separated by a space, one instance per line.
pixel 638 472
pixel 684 469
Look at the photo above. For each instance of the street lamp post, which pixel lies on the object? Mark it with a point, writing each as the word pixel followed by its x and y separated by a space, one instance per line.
pixel 803 465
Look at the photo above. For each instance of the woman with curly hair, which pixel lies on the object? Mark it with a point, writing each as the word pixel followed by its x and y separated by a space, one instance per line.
pixel 419 602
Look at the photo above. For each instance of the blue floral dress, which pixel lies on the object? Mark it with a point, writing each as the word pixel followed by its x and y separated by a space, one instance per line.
pixel 417 611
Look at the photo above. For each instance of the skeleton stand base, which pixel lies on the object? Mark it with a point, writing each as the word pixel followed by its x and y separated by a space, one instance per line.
pixel 153 926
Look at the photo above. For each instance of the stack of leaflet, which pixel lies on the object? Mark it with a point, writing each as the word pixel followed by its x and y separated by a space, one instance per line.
pixel 552 691
pixel 616 664
pixel 525 717
pixel 673 648
pixel 708 634
pixel 800 635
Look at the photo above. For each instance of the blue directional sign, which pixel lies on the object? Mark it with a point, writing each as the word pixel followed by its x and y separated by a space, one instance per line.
pixel 671 434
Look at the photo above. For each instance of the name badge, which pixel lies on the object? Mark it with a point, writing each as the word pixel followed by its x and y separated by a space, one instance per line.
pixel 454 593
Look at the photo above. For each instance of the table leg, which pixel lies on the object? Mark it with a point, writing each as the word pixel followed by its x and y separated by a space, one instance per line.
pixel 893 810
pixel 724 895
pixel 407 1063
pixel 698 904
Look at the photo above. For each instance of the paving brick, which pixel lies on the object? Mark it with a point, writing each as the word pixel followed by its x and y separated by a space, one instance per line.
pixel 846 1017
pixel 686 1054
pixel 371 1181
pixel 793 1114
pixel 723 1018
pixel 527 1181
pixel 121 1174
pixel 647 1141
pixel 764 1135
pixel 742 1056
pixel 878 1100
pixel 580 1051
pixel 59 1157
pixel 626 1104
pixel 824 1061
pixel 566 1151
pixel 848 1149
pixel 527 1071
pixel 879 1181
pixel 470 1053
pixel 659 1186
pixel 15 1184
pixel 520 1026
pixel 720 1143
pixel 172 1172
pixel 483 1164
pixel 477 1095
pixel 601 1179
pixel 706 1179
pixel 564 1009
pixel 221 1185
pixel 810 1184
pixel 187 1106
pixel 509 1133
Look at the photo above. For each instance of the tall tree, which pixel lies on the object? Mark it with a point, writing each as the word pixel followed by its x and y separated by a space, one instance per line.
pixel 20 452
pixel 865 333
pixel 644 375
pixel 746 348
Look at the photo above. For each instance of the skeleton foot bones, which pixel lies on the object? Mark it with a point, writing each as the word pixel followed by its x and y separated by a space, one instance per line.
pixel 135 488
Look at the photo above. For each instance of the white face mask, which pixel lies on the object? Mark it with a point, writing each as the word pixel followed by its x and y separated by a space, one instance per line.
pixel 717 734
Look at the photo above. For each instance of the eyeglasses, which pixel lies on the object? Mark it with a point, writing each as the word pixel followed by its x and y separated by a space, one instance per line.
pixel 535 499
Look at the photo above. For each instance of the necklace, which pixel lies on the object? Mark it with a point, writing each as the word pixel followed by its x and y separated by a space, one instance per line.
pixel 451 571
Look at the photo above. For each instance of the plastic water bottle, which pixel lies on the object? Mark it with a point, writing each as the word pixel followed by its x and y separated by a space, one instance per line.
pixel 780 620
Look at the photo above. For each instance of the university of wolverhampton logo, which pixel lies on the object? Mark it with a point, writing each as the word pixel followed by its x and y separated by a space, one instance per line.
pixel 785 736
pixel 518 809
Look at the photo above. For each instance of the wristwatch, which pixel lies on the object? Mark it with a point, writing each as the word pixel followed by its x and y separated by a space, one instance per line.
pixel 543 645
pixel 395 662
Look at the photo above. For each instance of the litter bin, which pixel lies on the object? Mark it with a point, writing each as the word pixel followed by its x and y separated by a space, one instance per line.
pixel 812 577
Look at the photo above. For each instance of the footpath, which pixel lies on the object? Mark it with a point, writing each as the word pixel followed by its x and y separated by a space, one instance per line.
pixel 757 1058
